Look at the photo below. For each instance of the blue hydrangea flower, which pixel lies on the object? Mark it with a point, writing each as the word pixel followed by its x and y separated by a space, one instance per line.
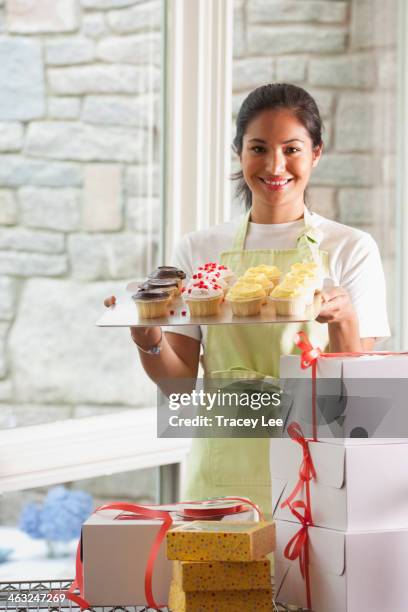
pixel 63 513
pixel 60 517
pixel 30 520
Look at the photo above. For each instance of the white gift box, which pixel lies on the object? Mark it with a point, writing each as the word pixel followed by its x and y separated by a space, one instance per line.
pixel 115 553
pixel 349 572
pixel 357 487
pixel 366 399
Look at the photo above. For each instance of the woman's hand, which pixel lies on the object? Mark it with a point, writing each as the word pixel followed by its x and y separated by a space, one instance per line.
pixel 109 301
pixel 145 337
pixel 178 359
pixel 336 307
pixel 338 311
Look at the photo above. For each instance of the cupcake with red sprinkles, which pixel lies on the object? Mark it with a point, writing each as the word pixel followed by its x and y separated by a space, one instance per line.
pixel 218 270
pixel 212 278
pixel 203 297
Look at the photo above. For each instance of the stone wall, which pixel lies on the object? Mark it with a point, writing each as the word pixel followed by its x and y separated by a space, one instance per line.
pixel 79 206
pixel 79 211
pixel 79 110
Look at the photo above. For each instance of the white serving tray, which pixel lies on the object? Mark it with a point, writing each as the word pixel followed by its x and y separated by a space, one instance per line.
pixel 124 314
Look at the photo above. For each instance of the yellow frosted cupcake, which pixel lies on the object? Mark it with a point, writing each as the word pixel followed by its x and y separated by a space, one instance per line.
pixel 301 281
pixel 311 269
pixel 311 280
pixel 246 299
pixel 271 272
pixel 257 277
pixel 289 300
pixel 309 266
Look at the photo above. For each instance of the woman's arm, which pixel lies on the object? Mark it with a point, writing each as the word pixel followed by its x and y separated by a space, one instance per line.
pixel 337 310
pixel 175 368
pixel 177 359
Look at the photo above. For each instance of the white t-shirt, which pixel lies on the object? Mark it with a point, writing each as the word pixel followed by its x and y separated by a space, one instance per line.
pixel 354 263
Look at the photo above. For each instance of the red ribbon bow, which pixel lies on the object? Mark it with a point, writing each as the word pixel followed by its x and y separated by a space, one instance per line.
pixel 306 471
pixel 136 511
pixel 309 353
pixel 308 358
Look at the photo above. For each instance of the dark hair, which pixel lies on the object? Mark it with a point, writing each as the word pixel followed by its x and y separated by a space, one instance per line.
pixel 267 97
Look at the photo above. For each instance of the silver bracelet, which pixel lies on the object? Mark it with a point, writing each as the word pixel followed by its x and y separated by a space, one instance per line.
pixel 153 350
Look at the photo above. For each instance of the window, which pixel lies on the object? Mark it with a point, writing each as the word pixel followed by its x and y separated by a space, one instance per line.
pixel 81 213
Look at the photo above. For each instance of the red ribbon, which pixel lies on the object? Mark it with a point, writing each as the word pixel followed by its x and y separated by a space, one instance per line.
pixel 136 512
pixel 309 357
pixel 298 545
pixel 208 514
pixel 306 471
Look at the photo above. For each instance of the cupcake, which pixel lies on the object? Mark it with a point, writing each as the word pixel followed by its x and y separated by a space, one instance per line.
pixel 168 272
pixel 301 281
pixel 165 284
pixel 271 272
pixel 311 269
pixel 306 266
pixel 309 279
pixel 219 270
pixel 289 300
pixel 257 277
pixel 213 277
pixel 246 299
pixel 151 303
pixel 203 298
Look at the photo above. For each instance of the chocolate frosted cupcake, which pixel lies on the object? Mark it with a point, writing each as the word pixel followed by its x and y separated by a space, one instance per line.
pixel 169 272
pixel 151 303
pixel 165 284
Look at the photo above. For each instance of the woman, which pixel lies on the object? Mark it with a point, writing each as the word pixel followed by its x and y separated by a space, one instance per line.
pixel 278 141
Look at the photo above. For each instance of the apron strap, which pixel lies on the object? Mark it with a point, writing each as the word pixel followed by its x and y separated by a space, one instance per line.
pixel 309 239
pixel 239 238
pixel 309 234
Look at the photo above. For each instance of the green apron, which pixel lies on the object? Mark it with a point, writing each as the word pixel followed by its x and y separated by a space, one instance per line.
pixel 219 467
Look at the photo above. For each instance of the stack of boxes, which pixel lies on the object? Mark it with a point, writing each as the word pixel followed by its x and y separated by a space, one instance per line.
pixel 358 544
pixel 221 566
pixel 114 550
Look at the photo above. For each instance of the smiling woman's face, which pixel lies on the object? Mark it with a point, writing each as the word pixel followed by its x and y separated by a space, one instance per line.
pixel 277 159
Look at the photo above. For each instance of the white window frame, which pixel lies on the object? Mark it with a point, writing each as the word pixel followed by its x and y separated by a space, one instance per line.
pixel 63 451
pixel 199 116
pixel 198 110
pixel 402 180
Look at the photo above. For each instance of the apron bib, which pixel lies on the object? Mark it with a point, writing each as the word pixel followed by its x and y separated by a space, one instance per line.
pixel 240 466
